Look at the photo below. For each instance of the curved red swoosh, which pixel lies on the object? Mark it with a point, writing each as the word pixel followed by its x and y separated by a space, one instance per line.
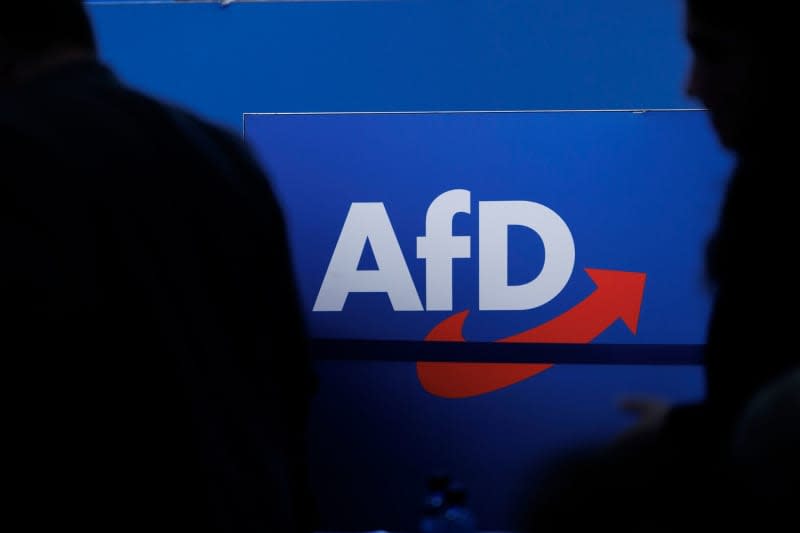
pixel 618 296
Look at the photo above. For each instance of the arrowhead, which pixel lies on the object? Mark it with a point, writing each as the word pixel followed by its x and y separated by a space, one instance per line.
pixel 623 291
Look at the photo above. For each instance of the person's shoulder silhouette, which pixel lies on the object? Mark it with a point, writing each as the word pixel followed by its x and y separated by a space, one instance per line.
pixel 155 351
pixel 764 449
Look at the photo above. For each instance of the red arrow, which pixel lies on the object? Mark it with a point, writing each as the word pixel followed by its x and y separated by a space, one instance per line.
pixel 618 295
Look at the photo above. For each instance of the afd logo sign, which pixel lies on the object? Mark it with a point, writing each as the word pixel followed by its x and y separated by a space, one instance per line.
pixel 369 222
pixel 618 294
pixel 497 227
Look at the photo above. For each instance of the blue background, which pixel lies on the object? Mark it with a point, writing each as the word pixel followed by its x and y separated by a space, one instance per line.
pixel 628 185
pixel 375 433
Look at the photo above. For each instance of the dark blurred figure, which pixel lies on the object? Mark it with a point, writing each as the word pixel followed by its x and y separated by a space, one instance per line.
pixel 684 466
pixel 155 367
pixel 766 443
pixel 741 72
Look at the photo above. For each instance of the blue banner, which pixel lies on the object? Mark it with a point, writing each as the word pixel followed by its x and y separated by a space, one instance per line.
pixel 569 227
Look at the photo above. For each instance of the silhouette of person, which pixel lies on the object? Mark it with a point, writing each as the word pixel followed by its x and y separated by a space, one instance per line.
pixel 738 50
pixel 738 69
pixel 681 466
pixel 156 371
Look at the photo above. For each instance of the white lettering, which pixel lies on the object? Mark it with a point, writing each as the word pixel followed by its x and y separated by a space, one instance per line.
pixel 367 221
pixel 559 255
pixel 439 247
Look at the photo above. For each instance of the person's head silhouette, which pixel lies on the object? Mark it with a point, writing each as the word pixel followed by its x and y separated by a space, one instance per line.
pixel 35 34
pixel 736 67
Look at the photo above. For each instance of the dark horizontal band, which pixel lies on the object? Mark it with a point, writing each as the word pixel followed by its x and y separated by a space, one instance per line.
pixel 494 352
